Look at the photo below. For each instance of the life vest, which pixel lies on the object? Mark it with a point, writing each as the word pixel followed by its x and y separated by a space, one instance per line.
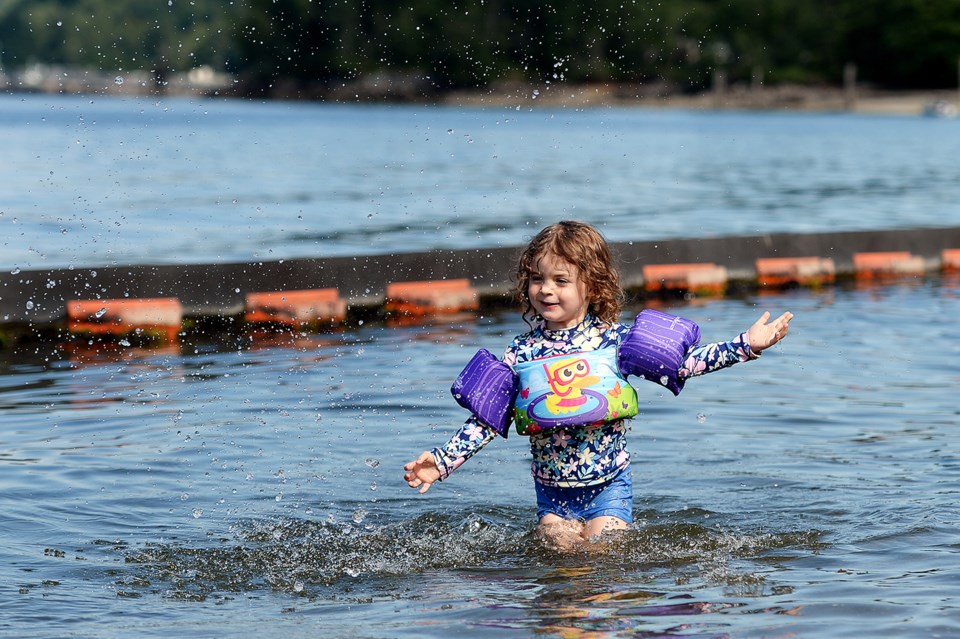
pixel 577 389
pixel 572 389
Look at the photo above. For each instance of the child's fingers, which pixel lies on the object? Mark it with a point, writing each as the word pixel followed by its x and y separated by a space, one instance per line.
pixel 785 318
pixel 783 322
pixel 781 325
pixel 414 469
pixel 416 482
pixel 763 319
pixel 424 456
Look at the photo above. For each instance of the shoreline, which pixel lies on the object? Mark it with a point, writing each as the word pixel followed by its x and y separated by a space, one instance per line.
pixel 404 89
pixel 778 98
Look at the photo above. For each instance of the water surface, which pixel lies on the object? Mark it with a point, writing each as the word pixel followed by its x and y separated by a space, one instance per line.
pixel 232 487
pixel 95 180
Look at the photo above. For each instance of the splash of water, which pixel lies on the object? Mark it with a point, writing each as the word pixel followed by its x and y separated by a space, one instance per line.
pixel 305 558
pixel 298 556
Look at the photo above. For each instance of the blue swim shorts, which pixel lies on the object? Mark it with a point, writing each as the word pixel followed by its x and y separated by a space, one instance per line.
pixel 613 499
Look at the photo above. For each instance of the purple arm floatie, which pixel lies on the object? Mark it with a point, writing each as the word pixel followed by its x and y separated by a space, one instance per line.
pixel 655 347
pixel 487 388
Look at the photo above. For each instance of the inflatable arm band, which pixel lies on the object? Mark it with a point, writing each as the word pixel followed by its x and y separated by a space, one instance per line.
pixel 487 388
pixel 655 347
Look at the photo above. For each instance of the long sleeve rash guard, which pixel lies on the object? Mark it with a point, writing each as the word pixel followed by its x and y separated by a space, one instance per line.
pixel 584 455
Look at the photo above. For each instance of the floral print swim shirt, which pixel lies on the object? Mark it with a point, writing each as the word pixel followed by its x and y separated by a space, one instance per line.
pixel 584 455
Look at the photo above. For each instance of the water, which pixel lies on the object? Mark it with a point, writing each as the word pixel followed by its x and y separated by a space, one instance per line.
pixel 236 485
pixel 94 180
pixel 246 486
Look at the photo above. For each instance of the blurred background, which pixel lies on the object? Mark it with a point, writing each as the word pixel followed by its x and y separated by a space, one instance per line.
pixel 425 49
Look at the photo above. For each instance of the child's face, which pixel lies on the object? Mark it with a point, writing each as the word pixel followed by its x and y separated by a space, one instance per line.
pixel 557 293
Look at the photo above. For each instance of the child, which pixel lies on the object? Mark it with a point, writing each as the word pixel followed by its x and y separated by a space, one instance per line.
pixel 568 285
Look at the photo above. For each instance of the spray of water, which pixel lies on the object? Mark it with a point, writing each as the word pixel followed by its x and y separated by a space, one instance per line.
pixel 308 558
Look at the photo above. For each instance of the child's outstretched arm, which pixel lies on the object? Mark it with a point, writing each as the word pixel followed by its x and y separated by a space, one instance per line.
pixel 437 464
pixel 707 358
pixel 422 472
pixel 763 335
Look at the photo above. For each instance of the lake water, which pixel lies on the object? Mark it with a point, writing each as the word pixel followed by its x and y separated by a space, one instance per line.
pixel 253 488
pixel 96 180
pixel 241 485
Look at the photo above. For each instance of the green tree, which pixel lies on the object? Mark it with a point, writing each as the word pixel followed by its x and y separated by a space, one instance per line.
pixel 307 45
pixel 903 43
pixel 121 35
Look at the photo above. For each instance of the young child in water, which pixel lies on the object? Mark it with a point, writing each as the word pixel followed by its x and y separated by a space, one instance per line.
pixel 571 296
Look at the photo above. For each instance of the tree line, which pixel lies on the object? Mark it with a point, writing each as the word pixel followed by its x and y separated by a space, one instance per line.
pixel 452 44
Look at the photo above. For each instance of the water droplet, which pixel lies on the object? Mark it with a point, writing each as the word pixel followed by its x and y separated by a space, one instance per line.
pixel 371 462
pixel 101 313
pixel 15 271
pixel 298 586
pixel 664 380
pixel 197 513
pixel 118 80
pixel 30 305
pixel 373 485
pixel 358 515
pixel 124 342
pixel 701 418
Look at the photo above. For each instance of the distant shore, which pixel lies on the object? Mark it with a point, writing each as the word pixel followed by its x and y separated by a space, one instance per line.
pixel 409 88
pixel 779 98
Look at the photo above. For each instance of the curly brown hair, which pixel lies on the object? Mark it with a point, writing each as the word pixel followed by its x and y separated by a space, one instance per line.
pixel 583 247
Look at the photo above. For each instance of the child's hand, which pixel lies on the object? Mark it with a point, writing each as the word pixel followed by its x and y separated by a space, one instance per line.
pixel 763 335
pixel 422 472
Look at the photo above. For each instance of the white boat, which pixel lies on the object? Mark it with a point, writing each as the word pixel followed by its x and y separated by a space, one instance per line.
pixel 940 109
